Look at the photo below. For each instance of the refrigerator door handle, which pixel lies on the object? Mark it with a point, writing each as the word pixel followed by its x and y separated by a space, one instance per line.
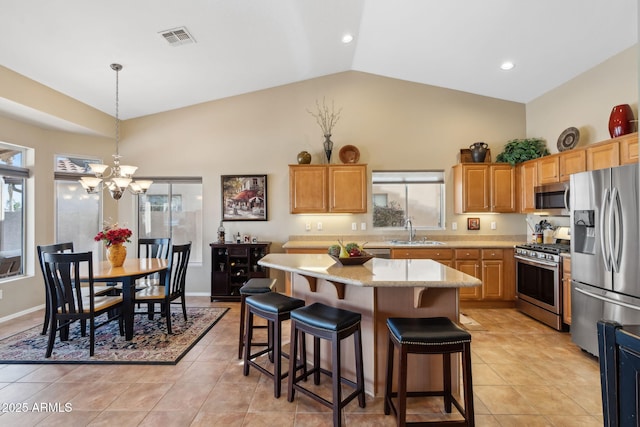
pixel 605 299
pixel 616 231
pixel 604 238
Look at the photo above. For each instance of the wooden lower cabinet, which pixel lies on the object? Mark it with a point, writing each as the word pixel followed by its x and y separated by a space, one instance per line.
pixel 566 290
pixel 495 267
pixel 443 255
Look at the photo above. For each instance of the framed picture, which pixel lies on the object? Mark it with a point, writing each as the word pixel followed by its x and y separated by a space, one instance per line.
pixel 473 223
pixel 244 197
pixel 246 239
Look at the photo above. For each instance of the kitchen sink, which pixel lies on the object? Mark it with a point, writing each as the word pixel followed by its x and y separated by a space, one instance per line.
pixel 416 242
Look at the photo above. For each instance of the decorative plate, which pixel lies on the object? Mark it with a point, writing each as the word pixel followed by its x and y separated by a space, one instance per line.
pixel 349 154
pixel 568 139
pixel 353 260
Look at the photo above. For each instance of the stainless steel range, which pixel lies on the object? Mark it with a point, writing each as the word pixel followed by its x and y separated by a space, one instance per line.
pixel 539 281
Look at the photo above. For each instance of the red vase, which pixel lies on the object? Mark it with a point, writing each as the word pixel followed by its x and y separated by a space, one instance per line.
pixel 621 121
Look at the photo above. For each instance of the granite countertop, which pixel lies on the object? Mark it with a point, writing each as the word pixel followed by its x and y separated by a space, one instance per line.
pixel 315 244
pixel 376 272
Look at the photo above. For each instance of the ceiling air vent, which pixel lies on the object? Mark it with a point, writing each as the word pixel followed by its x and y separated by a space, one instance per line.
pixel 177 36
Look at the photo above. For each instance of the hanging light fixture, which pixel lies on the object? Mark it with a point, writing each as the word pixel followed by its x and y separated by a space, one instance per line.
pixel 116 178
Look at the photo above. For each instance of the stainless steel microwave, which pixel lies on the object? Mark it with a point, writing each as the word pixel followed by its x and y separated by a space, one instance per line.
pixel 553 198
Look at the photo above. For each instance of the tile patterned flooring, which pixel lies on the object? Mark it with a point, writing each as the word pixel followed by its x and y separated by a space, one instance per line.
pixel 524 374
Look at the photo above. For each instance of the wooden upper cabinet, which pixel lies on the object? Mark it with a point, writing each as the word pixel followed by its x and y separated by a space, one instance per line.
pixel 628 149
pixel 548 170
pixel 482 187
pixel 603 156
pixel 471 187
pixel 572 162
pixel 308 188
pixel 528 179
pixel 502 184
pixel 328 188
pixel 348 188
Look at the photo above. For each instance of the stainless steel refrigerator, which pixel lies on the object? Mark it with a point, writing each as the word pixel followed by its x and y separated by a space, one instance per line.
pixel 605 264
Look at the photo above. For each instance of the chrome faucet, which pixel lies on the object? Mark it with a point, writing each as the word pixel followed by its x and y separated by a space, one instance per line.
pixel 409 224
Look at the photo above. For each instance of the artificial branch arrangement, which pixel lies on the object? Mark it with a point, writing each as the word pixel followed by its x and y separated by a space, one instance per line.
pixel 326 118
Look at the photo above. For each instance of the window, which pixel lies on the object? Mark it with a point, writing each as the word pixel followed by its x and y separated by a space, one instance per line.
pixel 398 195
pixel 77 213
pixel 172 208
pixel 13 179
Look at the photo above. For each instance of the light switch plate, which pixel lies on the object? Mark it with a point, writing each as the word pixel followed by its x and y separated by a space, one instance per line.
pixel 307 226
pixel 354 226
pixel 319 226
pixel 494 225
pixel 454 225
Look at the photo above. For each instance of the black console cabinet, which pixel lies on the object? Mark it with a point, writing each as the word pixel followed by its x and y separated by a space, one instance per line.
pixel 232 264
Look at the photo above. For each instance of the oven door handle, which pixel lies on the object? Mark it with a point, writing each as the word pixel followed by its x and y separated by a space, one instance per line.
pixel 536 261
pixel 605 299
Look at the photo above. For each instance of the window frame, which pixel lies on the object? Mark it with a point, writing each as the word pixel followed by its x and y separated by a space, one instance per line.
pixel 410 178
pixel 24 173
pixel 171 181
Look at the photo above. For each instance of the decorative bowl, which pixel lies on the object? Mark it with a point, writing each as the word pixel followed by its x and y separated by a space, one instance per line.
pixel 349 154
pixel 353 260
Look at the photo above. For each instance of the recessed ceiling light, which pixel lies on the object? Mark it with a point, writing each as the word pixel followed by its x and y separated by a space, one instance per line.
pixel 507 65
pixel 347 38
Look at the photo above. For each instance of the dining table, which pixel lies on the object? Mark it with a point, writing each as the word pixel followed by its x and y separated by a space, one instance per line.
pixel 132 270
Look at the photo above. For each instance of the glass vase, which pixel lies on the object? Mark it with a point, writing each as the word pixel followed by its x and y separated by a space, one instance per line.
pixel 328 146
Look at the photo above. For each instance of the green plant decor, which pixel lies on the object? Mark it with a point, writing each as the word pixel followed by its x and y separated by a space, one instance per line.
pixel 520 150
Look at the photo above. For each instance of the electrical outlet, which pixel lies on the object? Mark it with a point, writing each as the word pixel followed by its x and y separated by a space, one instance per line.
pixel 454 225
pixel 363 226
pixel 319 227
pixel 354 226
pixel 494 225
pixel 307 226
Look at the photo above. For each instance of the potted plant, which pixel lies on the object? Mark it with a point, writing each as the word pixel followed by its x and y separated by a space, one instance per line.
pixel 520 150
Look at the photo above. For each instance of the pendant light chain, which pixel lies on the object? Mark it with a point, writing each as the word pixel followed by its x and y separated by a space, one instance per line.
pixel 117 68
pixel 117 111
pixel 116 178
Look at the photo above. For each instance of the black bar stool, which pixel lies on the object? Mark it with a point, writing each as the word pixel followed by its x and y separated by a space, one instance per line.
pixel 255 286
pixel 275 308
pixel 435 335
pixel 332 324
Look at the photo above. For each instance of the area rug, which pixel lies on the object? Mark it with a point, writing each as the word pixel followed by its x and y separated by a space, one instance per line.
pixel 150 344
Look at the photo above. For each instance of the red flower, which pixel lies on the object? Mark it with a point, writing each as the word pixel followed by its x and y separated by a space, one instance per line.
pixel 114 235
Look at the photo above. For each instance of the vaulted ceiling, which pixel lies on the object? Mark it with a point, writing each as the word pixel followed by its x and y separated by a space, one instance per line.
pixel 247 45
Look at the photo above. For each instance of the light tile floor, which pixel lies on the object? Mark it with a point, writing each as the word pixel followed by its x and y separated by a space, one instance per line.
pixel 524 374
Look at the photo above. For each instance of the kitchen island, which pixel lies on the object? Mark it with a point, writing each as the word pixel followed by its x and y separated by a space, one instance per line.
pixel 379 289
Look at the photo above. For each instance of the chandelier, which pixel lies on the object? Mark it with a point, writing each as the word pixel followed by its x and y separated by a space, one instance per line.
pixel 117 178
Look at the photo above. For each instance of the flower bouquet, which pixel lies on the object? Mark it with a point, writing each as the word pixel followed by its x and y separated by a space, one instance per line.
pixel 114 235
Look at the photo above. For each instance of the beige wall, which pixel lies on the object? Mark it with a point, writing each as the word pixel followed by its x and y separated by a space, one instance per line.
pixel 395 124
pixel 27 292
pixel 585 102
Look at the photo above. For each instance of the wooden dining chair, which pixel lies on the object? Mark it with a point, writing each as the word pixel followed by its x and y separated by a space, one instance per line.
pixel 152 248
pixel 67 301
pixel 173 288
pixel 60 248
pixel 157 247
